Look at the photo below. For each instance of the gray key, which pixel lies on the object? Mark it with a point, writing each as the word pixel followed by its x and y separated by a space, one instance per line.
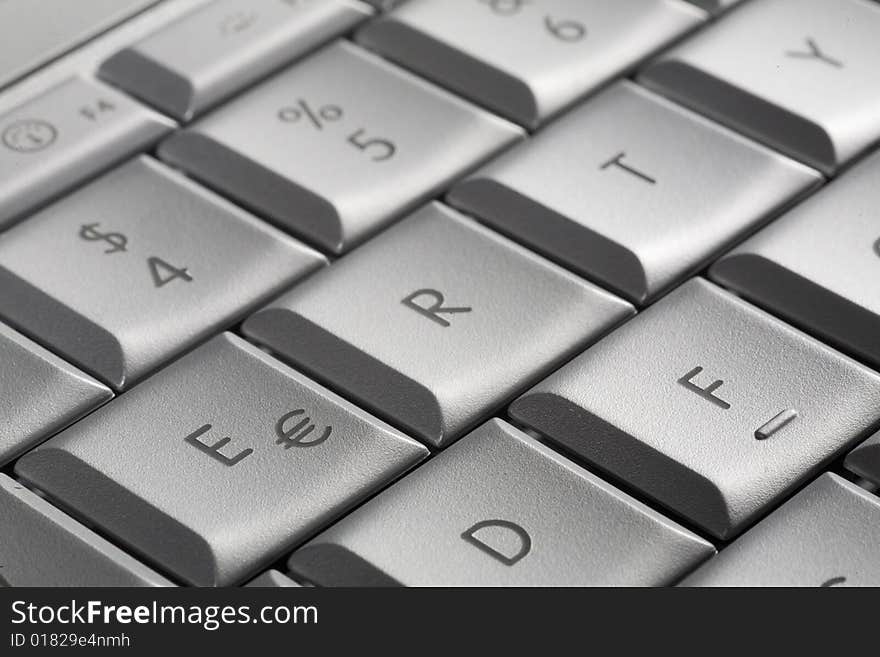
pixel 370 142
pixel 466 519
pixel 864 460
pixel 65 136
pixel 818 266
pixel 218 463
pixel 527 60
pixel 138 266
pixel 708 405
pixel 436 322
pixel 714 6
pixel 800 75
pixel 208 55
pixel 41 546
pixel 272 579
pixel 827 535
pixel 32 34
pixel 632 190
pixel 39 394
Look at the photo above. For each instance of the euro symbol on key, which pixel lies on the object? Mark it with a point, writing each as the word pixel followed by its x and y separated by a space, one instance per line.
pixel 117 241
pixel 295 436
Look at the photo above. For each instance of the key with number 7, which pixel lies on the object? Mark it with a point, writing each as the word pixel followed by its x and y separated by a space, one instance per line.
pixel 138 266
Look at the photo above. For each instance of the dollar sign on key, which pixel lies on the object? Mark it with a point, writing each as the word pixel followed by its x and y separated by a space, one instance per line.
pixel 117 241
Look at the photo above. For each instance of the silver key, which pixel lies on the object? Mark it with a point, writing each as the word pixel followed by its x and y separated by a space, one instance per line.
pixel 827 535
pixel 209 54
pixel 65 136
pixel 272 579
pixel 138 266
pixel 708 405
pixel 632 190
pixel 466 519
pixel 526 60
pixel 714 6
pixel 220 462
pixel 354 123
pixel 39 394
pixel 800 75
pixel 41 546
pixel 436 322
pixel 864 460
pixel 31 35
pixel 817 267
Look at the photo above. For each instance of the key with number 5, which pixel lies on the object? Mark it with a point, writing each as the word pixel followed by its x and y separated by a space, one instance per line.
pixel 138 266
pixel 336 147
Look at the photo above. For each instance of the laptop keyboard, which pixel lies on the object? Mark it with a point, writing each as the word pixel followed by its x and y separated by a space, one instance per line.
pixel 443 292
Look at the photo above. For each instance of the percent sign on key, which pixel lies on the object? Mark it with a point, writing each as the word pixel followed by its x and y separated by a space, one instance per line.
pixel 318 116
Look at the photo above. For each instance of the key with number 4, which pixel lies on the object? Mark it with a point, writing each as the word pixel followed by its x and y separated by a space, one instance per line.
pixel 799 75
pixel 66 135
pixel 526 59
pixel 220 462
pixel 337 146
pixel 708 405
pixel 826 535
pixel 500 509
pixel 435 322
pixel 138 266
pixel 209 54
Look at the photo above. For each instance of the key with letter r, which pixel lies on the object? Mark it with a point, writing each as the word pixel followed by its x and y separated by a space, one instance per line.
pixel 435 323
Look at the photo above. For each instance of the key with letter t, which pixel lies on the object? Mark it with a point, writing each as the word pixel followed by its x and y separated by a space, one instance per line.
pixel 708 405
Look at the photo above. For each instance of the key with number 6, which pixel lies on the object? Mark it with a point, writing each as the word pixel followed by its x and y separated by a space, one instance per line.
pixel 526 59
pixel 338 145
pixel 138 266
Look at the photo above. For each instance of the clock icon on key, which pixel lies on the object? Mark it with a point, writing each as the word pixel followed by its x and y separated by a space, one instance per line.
pixel 29 135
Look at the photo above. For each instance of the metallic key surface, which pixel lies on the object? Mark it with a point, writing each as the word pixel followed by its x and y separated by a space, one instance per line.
pixel 138 266
pixel 39 394
pixel 272 579
pixel 526 60
pixel 500 509
pixel 337 146
pixel 41 546
pixel 826 535
pixel 818 265
pixel 218 463
pixel 63 137
pixel 31 35
pixel 435 322
pixel 632 190
pixel 708 405
pixel 217 50
pixel 864 460
pixel 799 75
